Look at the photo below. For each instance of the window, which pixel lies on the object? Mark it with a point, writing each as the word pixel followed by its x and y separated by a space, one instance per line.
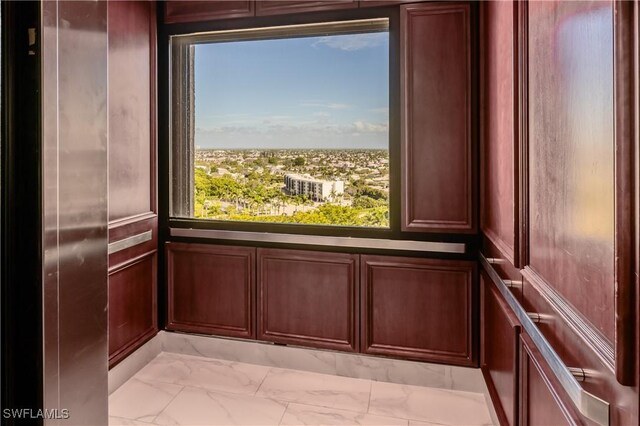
pixel 282 125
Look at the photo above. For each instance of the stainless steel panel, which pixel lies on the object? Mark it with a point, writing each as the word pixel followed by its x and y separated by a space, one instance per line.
pixel 370 243
pixel 74 109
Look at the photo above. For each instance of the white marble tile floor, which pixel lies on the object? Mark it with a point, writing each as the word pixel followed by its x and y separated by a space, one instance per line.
pixel 176 389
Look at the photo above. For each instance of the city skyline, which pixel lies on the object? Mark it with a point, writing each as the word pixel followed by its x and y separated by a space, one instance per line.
pixel 326 92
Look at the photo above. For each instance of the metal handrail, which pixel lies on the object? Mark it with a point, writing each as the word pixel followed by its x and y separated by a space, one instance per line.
pixel 589 405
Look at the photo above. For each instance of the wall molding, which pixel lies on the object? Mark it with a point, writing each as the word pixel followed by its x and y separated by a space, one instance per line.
pixel 594 340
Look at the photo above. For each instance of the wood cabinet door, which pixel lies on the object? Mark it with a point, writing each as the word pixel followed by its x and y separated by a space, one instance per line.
pixel 499 355
pixel 280 7
pixel 436 138
pixel 308 298
pixel 196 11
pixel 211 289
pixel 418 309
pixel 542 399
pixel 499 205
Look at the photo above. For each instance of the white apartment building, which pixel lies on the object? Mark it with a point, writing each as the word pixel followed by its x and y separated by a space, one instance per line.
pixel 315 189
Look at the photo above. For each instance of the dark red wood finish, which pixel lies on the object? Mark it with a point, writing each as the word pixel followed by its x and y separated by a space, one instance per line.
pixel 571 154
pixel 308 298
pixel 378 3
pixel 211 289
pixel 436 138
pixel 281 7
pixel 418 309
pixel 499 171
pixel 176 11
pixel 626 75
pixel 132 174
pixel 543 402
pixel 132 305
pixel 499 351
pixel 576 351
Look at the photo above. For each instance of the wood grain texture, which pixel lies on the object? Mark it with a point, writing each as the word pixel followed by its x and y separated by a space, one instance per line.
pixel 499 357
pixel 499 143
pixel 543 402
pixel 574 351
pixel 626 74
pixel 181 11
pixel 308 298
pixel 418 309
pixel 436 138
pixel 131 109
pixel 571 154
pixel 211 289
pixel 132 306
pixel 281 7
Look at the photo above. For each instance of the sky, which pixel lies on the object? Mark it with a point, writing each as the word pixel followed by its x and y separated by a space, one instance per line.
pixel 307 92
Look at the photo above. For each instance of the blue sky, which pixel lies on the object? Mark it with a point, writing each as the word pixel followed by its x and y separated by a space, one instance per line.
pixel 307 92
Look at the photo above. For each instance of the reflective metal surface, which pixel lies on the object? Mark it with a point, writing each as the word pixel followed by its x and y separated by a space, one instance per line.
pixel 317 240
pixel 128 242
pixel 74 173
pixel 589 405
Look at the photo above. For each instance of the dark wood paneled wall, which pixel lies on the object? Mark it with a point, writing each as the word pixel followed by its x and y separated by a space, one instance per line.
pixel 308 298
pixel 418 308
pixel 574 209
pixel 499 151
pixel 132 175
pixel 436 138
pixel 542 403
pixel 211 289
pixel 571 154
pixel 380 305
pixel 499 343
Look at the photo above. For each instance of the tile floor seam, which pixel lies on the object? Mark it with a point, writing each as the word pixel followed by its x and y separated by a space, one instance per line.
pixel 370 391
pixel 284 413
pixel 153 422
pixel 263 379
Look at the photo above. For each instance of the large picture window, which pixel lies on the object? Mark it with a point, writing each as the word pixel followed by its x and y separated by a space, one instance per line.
pixel 282 125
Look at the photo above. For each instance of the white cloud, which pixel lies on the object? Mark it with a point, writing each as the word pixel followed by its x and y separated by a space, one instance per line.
pixel 353 42
pixel 329 105
pixel 364 126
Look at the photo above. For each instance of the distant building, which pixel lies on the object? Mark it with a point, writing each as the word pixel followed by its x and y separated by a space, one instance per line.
pixel 317 190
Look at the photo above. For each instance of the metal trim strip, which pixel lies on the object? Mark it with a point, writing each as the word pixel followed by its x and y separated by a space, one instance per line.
pixel 318 240
pixel 129 242
pixel 589 405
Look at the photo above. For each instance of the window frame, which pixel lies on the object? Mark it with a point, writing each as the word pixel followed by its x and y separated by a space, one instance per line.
pixel 244 231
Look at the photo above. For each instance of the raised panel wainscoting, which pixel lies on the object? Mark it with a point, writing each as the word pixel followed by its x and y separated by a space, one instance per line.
pixel 379 305
pixel 418 308
pixel 308 298
pixel 211 289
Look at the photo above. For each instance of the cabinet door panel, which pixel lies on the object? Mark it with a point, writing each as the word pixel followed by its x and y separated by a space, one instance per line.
pixel 211 289
pixel 132 306
pixel 279 7
pixel 543 400
pixel 195 11
pixel 499 205
pixel 308 298
pixel 436 140
pixel 418 308
pixel 499 357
